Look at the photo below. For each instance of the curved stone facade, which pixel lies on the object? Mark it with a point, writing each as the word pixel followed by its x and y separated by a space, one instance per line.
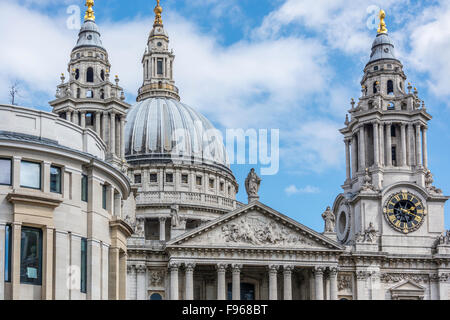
pixel 65 213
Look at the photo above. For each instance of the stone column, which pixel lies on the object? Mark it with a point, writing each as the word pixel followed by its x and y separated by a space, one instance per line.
pixel 123 276
pixel 2 261
pixel 118 135
pixel 141 287
pixel 122 135
pixel 425 147
pixel 443 286
pixel 83 120
pixel 237 282
pixel 287 275
pixel 418 148
pixel 112 134
pixel 105 128
pixel 389 144
pixel 410 145
pixel 273 284
pixel 318 275
pixel 189 281
pixel 16 230
pixel 113 278
pixel 403 143
pixel 221 283
pixel 376 145
pixel 348 160
pixel 47 264
pixel 362 149
pixel 354 156
pixel 69 115
pixel 98 123
pixel 75 118
pixel 162 229
pixel 333 283
pixel 361 287
pixel 382 150
pixel 174 294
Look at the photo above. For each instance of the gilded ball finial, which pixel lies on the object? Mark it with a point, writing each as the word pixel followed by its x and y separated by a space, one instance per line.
pixel 89 12
pixel 382 28
pixel 158 11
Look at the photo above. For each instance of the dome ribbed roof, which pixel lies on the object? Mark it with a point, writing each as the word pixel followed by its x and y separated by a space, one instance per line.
pixel 155 125
pixel 89 36
pixel 382 48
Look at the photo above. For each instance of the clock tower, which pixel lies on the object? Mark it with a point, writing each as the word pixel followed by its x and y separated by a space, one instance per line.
pixel 389 203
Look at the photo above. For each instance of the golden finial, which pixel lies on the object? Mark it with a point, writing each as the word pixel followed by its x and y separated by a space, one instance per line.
pixel 158 11
pixel 89 12
pixel 382 28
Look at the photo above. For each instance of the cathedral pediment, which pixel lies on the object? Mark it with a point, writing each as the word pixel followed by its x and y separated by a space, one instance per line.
pixel 256 226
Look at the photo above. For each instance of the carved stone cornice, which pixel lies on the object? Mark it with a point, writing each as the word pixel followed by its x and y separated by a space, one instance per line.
pixel 398 277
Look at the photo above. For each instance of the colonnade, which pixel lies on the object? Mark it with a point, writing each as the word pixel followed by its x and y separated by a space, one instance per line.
pixel 411 147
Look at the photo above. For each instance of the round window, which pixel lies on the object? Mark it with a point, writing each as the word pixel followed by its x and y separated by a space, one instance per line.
pixel 89 37
pixel 159 44
pixel 342 222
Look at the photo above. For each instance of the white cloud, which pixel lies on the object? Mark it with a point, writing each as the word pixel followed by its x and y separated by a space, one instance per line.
pixel 293 190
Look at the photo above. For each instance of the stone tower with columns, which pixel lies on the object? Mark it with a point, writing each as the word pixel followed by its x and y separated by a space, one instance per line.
pixel 388 192
pixel 158 63
pixel 89 99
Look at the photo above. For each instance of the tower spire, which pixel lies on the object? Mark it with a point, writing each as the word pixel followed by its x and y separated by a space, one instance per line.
pixel 158 11
pixel 89 12
pixel 382 28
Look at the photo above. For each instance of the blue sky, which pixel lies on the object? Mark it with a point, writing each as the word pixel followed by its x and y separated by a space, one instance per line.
pixel 291 65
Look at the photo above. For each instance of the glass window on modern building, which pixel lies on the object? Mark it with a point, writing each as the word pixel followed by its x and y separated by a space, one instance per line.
pixel 30 175
pixel 8 239
pixel 84 188
pixel 5 172
pixel 83 267
pixel 31 256
pixel 55 179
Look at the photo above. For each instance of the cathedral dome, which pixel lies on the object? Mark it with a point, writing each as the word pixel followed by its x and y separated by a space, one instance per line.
pixel 166 130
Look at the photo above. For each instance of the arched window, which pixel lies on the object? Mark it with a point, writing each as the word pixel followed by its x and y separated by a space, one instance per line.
pixel 102 94
pixel 391 106
pixel 90 75
pixel 156 297
pixel 375 88
pixel 404 106
pixel 77 74
pixel 89 94
pixel 102 74
pixel 390 87
pixel 78 93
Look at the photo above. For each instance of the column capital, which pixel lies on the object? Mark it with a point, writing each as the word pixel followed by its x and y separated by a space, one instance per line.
pixel 388 123
pixel 288 268
pixel 273 268
pixel 333 271
pixel 237 268
pixel 141 268
pixel 318 271
pixel 173 266
pixel 131 268
pixel 162 219
pixel 221 267
pixel 362 275
pixel 189 267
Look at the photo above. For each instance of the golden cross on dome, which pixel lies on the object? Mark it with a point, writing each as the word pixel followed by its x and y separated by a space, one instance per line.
pixel 382 28
pixel 158 10
pixel 89 12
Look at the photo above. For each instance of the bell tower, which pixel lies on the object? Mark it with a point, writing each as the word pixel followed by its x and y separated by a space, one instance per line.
pixel 386 151
pixel 89 98
pixel 157 63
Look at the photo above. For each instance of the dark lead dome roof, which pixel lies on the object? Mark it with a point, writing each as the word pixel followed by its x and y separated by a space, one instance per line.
pixel 166 129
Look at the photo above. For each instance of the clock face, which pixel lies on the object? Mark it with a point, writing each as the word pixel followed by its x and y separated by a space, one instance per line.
pixel 405 212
